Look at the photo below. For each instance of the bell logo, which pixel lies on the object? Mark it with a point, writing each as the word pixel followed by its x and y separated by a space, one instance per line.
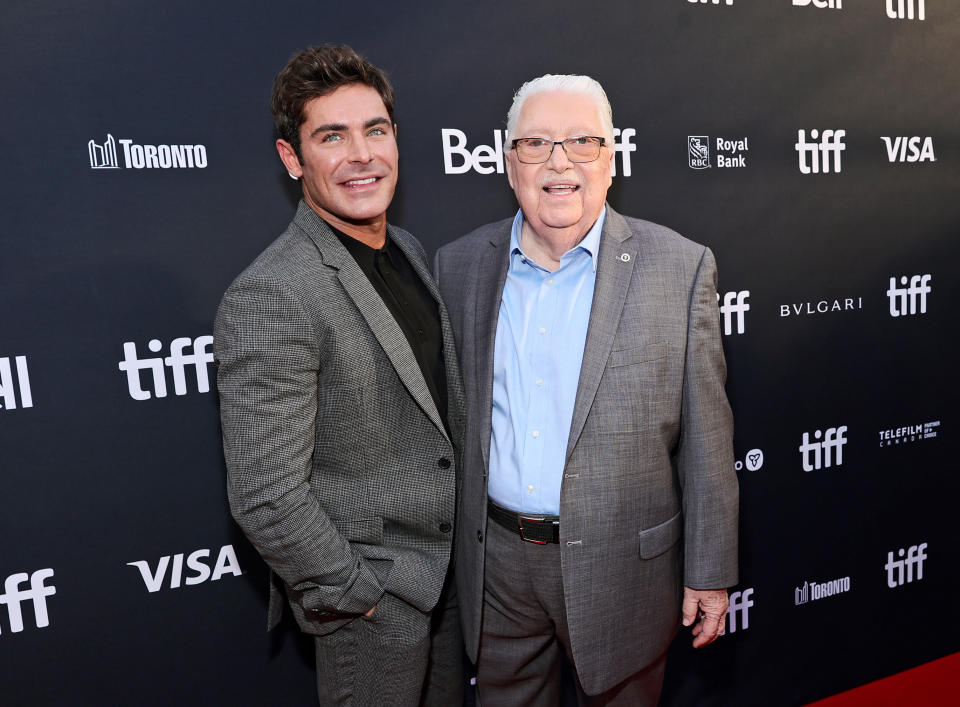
pixel 823 451
pixel 38 592
pixel 918 290
pixel 197 562
pixel 177 361
pixel 901 571
pixel 487 159
pixel 712 2
pixel 8 393
pixel 832 4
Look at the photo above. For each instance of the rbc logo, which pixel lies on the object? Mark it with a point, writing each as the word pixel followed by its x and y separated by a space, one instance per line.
pixel 177 361
pixel 919 285
pixel 38 592
pixel 823 451
pixel 8 393
pixel 831 143
pixel 698 151
pixel 734 303
pixel 226 564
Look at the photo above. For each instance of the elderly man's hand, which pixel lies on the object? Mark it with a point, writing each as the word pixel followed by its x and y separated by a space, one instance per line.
pixel 710 605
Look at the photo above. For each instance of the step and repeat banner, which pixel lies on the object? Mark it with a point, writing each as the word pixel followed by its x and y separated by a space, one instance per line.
pixel 814 145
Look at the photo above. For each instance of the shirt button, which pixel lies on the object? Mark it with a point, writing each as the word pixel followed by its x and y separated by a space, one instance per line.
pixel 445 527
pixel 443 463
pixel 539 381
pixel 543 330
pixel 536 433
pixel 550 282
pixel 530 488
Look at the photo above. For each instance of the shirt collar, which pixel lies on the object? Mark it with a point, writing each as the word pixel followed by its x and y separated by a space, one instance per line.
pixel 589 244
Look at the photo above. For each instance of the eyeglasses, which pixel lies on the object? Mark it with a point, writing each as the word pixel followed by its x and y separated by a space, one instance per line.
pixel 534 150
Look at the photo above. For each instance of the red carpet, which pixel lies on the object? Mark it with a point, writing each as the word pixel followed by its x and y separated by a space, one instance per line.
pixel 935 684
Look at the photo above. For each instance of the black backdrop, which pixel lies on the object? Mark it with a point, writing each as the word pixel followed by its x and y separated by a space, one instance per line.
pixel 94 257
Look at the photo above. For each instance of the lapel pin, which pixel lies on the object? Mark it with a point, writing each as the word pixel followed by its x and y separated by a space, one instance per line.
pixel 625 257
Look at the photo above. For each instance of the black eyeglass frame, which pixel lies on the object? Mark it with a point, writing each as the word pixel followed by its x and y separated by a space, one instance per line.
pixel 562 143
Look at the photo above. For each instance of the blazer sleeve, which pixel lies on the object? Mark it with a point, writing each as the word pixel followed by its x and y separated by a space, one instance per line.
pixel 705 463
pixel 267 378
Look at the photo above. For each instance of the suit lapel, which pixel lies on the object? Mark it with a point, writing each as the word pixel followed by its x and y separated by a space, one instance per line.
pixel 378 317
pixel 615 265
pixel 491 277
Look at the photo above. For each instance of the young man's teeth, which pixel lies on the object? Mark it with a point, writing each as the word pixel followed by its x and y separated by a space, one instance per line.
pixel 358 182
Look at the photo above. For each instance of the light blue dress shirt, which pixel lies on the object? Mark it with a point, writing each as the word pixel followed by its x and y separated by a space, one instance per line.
pixel 541 331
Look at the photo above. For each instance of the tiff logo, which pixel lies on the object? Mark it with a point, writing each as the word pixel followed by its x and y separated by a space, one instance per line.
pixel 8 393
pixel 895 568
pixel 740 603
pixel 831 143
pixel 197 562
pixel 903 9
pixel 833 439
pixel 919 286
pixel 177 361
pixel 38 592
pixel 734 303
pixel 103 156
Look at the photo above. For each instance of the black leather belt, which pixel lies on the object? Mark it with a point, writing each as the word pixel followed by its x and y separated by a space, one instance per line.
pixel 534 528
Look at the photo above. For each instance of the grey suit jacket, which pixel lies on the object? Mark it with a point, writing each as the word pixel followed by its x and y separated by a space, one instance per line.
pixel 339 469
pixel 649 495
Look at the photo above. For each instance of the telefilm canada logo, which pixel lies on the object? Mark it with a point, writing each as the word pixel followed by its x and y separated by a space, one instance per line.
pixel 15 383
pixel 199 357
pixel 487 159
pixel 813 591
pixel 37 592
pixel 143 156
pixel 909 434
pixel 197 566
pixel 728 152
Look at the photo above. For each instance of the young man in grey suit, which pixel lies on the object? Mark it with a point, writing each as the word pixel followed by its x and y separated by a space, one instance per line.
pixel 599 500
pixel 341 402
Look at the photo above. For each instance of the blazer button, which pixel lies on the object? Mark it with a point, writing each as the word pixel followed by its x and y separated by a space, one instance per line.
pixel 443 463
pixel 479 537
pixel 445 527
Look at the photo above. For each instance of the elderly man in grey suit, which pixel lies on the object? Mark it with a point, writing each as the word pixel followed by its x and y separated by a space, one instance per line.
pixel 599 497
pixel 341 402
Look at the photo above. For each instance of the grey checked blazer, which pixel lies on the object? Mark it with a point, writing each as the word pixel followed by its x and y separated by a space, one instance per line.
pixel 339 469
pixel 649 496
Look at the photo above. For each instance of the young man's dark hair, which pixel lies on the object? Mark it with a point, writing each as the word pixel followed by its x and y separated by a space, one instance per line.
pixel 315 72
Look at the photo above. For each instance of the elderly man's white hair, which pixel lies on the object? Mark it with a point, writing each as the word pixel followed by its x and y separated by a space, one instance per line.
pixel 571 83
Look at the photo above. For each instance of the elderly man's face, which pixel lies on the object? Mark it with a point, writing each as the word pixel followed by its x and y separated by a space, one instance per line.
pixel 558 193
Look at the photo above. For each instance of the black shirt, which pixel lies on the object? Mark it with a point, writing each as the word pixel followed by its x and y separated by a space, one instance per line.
pixel 411 305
